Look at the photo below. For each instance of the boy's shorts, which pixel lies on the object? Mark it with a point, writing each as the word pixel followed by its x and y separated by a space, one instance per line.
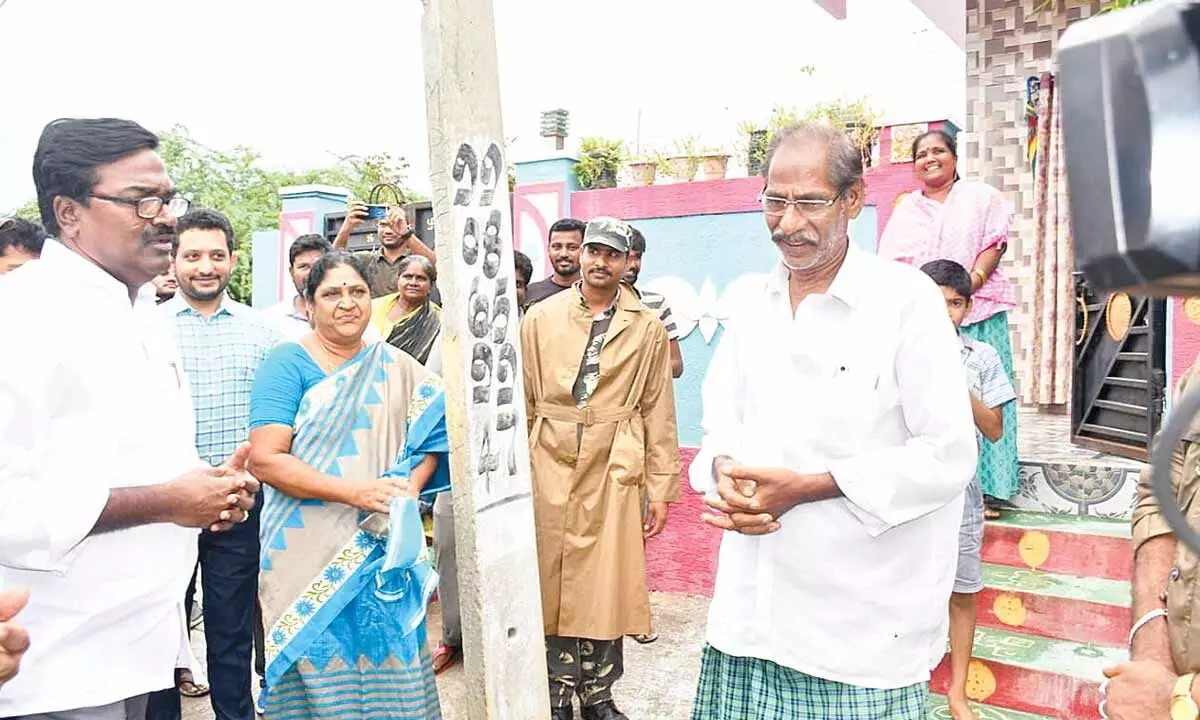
pixel 968 578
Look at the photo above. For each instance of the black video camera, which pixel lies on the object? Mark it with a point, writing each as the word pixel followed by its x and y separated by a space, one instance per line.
pixel 1129 84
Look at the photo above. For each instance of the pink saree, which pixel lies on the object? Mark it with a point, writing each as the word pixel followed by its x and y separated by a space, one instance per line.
pixel 974 217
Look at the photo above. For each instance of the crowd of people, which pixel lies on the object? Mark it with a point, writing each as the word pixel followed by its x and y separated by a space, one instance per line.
pixel 858 420
pixel 333 399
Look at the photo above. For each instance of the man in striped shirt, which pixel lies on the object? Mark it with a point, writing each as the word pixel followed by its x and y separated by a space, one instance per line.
pixel 221 343
pixel 653 300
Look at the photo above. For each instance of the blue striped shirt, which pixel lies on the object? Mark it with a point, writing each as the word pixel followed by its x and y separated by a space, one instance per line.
pixel 220 355
pixel 985 376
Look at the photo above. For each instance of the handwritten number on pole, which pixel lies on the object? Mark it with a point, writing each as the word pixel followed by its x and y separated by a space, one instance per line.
pixel 489 312
pixel 465 173
pixel 493 170
pixel 470 242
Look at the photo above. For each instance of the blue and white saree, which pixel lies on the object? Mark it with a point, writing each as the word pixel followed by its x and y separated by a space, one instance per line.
pixel 344 592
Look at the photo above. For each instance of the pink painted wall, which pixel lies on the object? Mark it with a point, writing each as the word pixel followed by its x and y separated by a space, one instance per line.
pixel 291 226
pixel 536 206
pixel 1184 342
pixel 886 182
pixel 708 197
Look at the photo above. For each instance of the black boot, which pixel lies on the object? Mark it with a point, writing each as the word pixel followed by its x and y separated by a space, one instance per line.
pixel 562 713
pixel 603 711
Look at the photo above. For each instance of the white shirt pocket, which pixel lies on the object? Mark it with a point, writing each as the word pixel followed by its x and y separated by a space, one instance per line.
pixel 847 407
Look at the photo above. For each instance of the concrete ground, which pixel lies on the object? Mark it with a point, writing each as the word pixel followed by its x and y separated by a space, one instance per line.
pixel 659 681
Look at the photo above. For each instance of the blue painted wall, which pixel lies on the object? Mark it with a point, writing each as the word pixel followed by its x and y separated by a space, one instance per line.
pixel 549 170
pixel 264 249
pixel 561 169
pixel 718 248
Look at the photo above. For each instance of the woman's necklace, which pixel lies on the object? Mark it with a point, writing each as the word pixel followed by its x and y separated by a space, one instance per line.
pixel 334 360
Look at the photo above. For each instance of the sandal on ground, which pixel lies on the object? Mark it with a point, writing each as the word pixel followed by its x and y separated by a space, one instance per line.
pixel 187 686
pixel 445 657
pixel 646 638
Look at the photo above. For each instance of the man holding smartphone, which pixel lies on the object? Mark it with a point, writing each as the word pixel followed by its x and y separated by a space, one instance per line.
pixel 396 240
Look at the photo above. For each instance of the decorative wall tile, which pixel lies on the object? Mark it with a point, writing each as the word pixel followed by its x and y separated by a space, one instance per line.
pixel 1008 41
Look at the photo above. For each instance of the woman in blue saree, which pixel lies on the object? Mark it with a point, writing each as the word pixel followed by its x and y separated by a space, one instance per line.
pixel 345 437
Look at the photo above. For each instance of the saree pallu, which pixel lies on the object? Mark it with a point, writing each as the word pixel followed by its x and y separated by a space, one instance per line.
pixel 344 592
pixel 415 333
pixel 974 217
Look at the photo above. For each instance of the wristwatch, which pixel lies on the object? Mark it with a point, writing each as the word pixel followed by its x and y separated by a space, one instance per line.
pixel 1183 707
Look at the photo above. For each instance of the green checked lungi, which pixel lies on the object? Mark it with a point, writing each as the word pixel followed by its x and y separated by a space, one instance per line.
pixel 738 688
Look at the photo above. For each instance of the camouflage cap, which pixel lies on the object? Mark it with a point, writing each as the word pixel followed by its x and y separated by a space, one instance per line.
pixel 609 231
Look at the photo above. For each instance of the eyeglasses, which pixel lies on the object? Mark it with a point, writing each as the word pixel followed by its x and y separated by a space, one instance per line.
pixel 149 207
pixel 808 207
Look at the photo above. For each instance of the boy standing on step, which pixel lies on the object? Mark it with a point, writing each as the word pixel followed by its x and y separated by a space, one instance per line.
pixel 990 390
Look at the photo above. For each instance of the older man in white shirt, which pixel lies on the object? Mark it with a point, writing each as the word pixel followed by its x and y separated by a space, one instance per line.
pixel 100 483
pixel 837 444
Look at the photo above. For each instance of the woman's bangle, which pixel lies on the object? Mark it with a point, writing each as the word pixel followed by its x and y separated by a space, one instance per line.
pixel 975 272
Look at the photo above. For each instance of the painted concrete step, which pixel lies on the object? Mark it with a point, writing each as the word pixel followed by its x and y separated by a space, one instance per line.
pixel 1043 676
pixel 1058 543
pixel 938 710
pixel 1054 605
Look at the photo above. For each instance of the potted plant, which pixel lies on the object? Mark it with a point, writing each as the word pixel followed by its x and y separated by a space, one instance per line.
pixel 644 168
pixel 859 121
pixel 713 162
pixel 599 161
pixel 753 144
pixel 684 163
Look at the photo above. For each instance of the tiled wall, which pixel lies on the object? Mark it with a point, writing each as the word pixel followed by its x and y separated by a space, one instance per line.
pixel 1008 41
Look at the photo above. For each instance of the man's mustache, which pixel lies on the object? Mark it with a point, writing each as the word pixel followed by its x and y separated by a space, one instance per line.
pixel 796 238
pixel 165 235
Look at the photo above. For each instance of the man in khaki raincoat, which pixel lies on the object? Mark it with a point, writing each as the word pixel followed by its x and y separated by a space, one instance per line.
pixel 1164 646
pixel 601 432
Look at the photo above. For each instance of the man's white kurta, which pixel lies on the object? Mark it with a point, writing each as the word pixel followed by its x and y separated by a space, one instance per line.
pixel 864 382
pixel 92 397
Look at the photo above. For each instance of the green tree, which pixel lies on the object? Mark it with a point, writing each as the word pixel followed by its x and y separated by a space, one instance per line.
pixel 237 183
pixel 29 211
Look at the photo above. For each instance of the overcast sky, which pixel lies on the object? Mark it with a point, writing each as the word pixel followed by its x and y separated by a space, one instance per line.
pixel 304 81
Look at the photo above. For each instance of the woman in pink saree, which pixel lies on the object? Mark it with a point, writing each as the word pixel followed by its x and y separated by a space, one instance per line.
pixel 966 221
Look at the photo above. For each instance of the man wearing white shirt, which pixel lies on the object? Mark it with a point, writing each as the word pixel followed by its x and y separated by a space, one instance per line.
pixel 290 316
pixel 99 475
pixel 837 444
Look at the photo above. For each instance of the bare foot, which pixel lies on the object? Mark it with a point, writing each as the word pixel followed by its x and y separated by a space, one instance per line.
pixel 960 709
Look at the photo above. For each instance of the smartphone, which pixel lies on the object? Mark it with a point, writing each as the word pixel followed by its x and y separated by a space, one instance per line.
pixel 377 212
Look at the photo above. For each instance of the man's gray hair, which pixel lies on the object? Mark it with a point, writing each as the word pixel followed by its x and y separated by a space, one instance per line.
pixel 845 161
